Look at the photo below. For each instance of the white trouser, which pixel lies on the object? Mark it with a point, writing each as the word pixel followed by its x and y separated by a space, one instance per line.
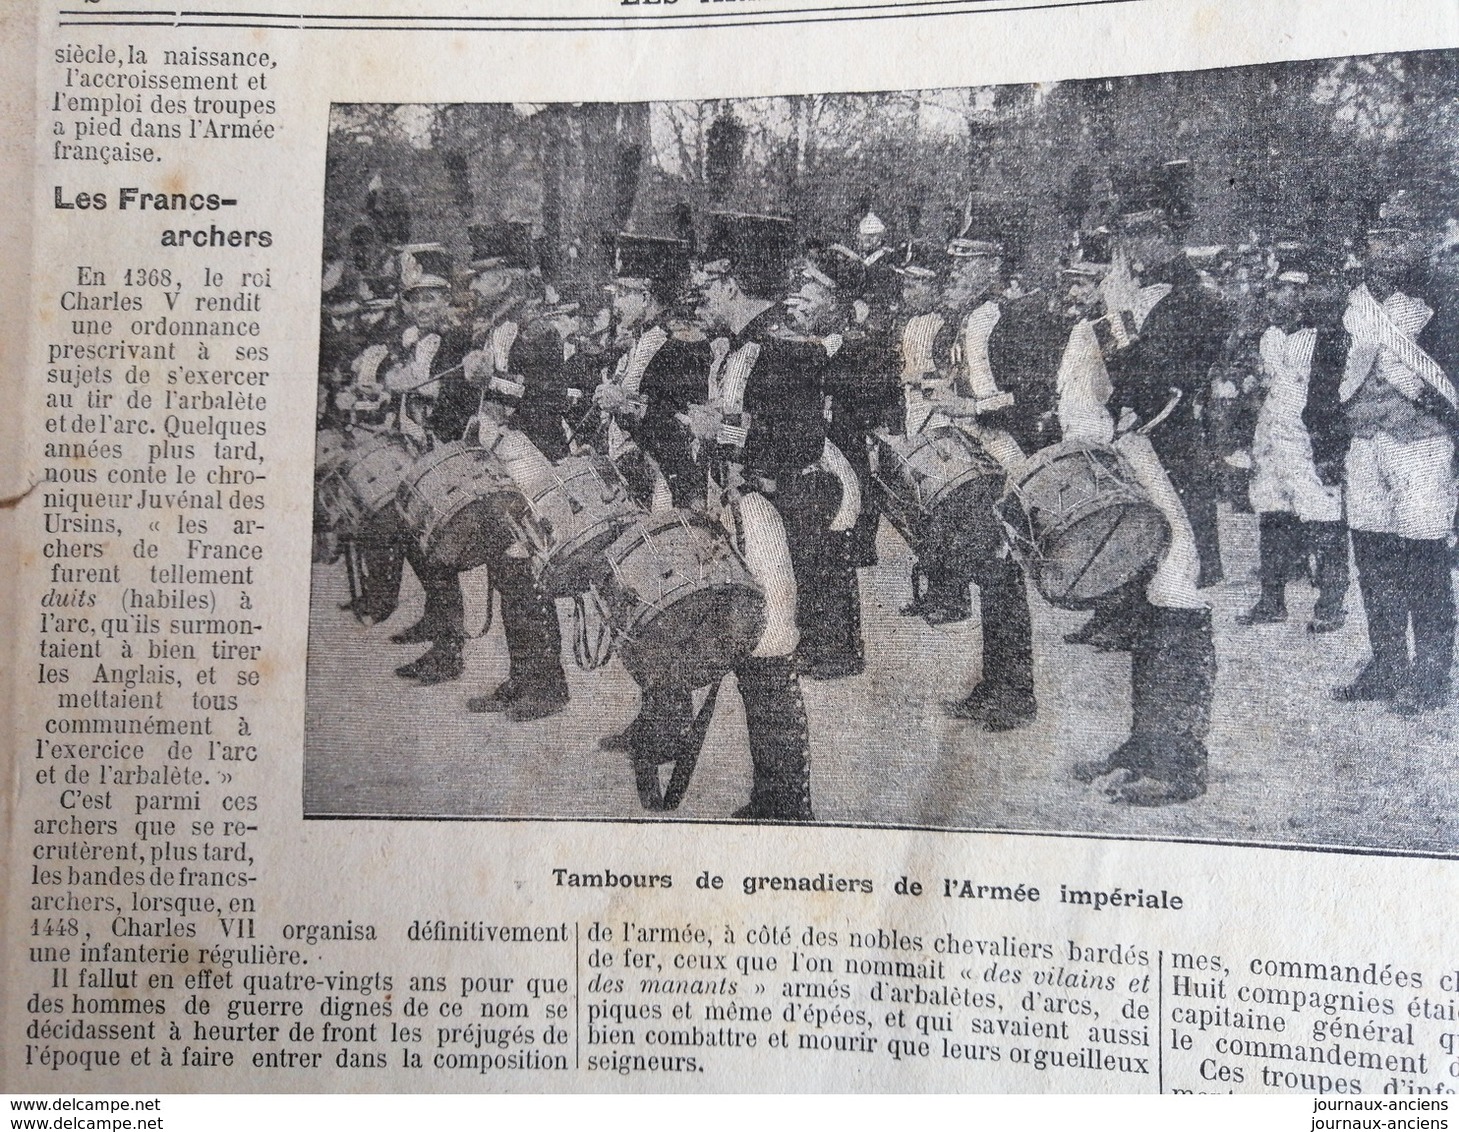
pixel 1401 488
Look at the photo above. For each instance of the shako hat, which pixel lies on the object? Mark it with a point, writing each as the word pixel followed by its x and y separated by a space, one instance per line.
pixel 500 244
pixel 758 249
pixel 992 226
pixel 650 257
pixel 424 265
pixel 1152 195
pixel 921 260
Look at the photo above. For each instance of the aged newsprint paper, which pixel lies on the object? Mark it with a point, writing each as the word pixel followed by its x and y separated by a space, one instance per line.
pixel 730 546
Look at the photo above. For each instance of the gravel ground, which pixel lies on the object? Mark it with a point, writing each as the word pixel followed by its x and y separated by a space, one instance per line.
pixel 1288 766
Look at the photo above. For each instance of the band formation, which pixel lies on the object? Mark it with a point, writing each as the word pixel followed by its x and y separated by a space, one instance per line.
pixel 699 458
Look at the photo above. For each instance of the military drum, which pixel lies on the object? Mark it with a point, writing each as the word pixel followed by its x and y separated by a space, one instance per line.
pixel 1081 524
pixel 939 489
pixel 682 603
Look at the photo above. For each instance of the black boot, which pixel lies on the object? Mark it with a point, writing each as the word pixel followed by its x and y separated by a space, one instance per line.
pixel 1382 561
pixel 831 645
pixel 445 609
pixel 442 662
pixel 497 700
pixel 1277 549
pixel 1172 685
pixel 534 644
pixel 779 741
pixel 1430 599
pixel 1116 617
pixel 995 706
pixel 1329 543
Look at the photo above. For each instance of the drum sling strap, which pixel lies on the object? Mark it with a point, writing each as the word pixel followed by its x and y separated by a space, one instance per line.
pixel 683 756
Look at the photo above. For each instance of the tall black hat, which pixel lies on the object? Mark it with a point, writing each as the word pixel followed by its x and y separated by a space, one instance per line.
pixel 1301 261
pixel 836 265
pixel 425 265
pixel 1091 255
pixel 650 257
pixel 922 260
pixel 1163 193
pixel 760 249
pixel 501 244
pixel 992 226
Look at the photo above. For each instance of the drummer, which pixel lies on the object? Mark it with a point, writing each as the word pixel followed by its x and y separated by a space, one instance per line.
pixel 519 377
pixel 994 357
pixel 434 405
pixel 862 391
pixel 829 601
pixel 759 428
pixel 1161 617
pixel 659 374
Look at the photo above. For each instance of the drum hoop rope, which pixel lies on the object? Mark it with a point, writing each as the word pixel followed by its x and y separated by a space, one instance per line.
pixel 1098 550
pixel 591 653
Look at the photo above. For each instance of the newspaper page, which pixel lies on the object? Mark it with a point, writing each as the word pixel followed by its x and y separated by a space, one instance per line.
pixel 693 546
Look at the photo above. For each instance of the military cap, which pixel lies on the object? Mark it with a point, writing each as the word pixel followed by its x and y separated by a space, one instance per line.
pixel 500 244
pixel 650 257
pixel 424 265
pixel 759 249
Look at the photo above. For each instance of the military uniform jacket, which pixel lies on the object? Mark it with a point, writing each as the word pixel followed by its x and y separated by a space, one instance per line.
pixel 1023 352
pixel 861 382
pixel 1182 338
pixel 535 362
pixel 781 429
pixel 675 378
pixel 1323 414
pixel 457 400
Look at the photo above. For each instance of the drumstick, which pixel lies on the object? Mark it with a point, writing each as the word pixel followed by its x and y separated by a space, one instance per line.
pixel 435 377
pixel 1144 430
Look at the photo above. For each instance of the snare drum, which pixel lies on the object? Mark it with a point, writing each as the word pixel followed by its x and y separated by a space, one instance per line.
pixel 456 500
pixel 1081 524
pixel 366 481
pixel 331 450
pixel 682 603
pixel 570 520
pixel 938 490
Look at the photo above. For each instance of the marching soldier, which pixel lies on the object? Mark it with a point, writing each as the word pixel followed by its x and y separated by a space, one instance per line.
pixel 657 377
pixel 876 259
pixel 762 432
pixel 660 374
pixel 1165 332
pixel 1399 399
pixel 518 378
pixel 862 391
pixel 434 405
pixel 994 358
pixel 828 599
pixel 1161 617
pixel 1180 330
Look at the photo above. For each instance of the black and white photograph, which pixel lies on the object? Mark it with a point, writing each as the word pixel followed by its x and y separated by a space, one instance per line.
pixel 1067 458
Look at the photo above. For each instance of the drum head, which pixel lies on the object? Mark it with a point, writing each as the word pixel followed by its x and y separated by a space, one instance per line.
pixel 683 605
pixel 575 520
pixel 1081 525
pixel 1095 554
pixel 473 536
pixel 695 640
pixel 963 530
pixel 457 506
